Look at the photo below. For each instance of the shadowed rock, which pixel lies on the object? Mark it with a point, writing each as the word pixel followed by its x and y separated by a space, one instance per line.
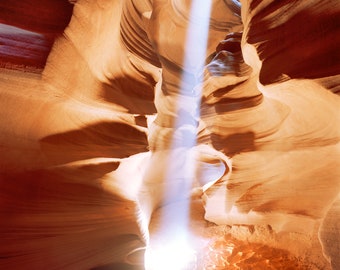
pixel 87 144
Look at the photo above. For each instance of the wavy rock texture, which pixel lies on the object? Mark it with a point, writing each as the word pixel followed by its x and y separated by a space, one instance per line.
pixel 88 146
pixel 28 30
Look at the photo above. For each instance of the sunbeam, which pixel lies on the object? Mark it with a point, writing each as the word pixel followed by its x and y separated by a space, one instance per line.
pixel 177 253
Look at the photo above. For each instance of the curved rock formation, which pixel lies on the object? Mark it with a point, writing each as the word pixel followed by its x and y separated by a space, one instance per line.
pixel 100 149
pixel 28 29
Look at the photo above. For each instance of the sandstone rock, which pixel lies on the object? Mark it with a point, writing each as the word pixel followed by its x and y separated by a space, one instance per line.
pixel 129 135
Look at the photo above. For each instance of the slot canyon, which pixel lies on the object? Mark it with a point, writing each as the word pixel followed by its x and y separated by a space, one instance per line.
pixel 169 134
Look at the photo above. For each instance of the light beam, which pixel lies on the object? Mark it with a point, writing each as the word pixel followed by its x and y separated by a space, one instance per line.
pixel 177 254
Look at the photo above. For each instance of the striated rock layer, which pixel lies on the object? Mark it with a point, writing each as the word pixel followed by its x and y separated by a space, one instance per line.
pixel 28 29
pixel 96 150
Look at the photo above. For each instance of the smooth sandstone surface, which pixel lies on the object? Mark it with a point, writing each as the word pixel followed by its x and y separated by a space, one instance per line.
pixel 94 138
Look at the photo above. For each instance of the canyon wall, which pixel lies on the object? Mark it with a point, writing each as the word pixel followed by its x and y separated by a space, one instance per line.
pixel 98 131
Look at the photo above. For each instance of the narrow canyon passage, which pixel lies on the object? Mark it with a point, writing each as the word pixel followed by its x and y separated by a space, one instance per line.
pixel 117 135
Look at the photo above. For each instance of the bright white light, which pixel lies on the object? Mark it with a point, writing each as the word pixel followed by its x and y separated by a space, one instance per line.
pixel 197 37
pixel 175 256
pixel 178 255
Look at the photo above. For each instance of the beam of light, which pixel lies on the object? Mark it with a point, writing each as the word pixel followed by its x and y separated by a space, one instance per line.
pixel 176 254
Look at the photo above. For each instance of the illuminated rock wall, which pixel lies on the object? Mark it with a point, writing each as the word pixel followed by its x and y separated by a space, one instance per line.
pixel 86 150
pixel 279 134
